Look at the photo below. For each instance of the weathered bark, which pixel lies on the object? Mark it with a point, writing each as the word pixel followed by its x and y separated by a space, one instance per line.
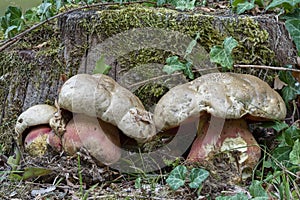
pixel 135 41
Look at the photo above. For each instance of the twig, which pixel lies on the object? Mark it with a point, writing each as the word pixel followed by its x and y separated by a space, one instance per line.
pixel 267 67
pixel 11 41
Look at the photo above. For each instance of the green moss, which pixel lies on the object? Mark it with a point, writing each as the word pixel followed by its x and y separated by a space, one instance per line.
pixel 34 60
pixel 143 56
pixel 112 22
pixel 253 42
pixel 150 94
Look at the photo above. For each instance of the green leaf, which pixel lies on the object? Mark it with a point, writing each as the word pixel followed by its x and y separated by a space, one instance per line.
pixel 30 172
pixel 292 89
pixel 293 27
pixel 137 183
pixel 284 3
pixel 59 4
pixel 101 67
pixel 44 11
pixel 185 4
pixel 238 196
pixel 256 190
pixel 188 70
pixel 286 76
pixel 292 15
pixel 12 21
pixel 222 54
pixel 177 176
pixel 191 45
pixel 242 7
pixel 197 176
pixel 229 44
pixel 276 125
pixel 290 93
pixel 15 15
pixel 282 153
pixel 235 3
pixel 173 65
pixel 14 160
pixel 31 15
pixel 295 153
pixel 160 2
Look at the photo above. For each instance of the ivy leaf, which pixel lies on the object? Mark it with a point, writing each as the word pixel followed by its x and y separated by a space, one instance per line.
pixel 293 27
pixel 276 125
pixel 101 67
pixel 174 64
pixel 185 4
pixel 44 10
pixel 242 7
pixel 292 89
pixel 188 70
pixel 31 15
pixel 284 3
pixel 197 176
pixel 256 190
pixel 177 176
pixel 290 135
pixel 222 54
pixel 15 15
pixel 295 153
pixel 281 153
pixel 292 15
pixel 12 21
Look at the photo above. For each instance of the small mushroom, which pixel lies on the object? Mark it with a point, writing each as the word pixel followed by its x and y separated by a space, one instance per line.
pixel 33 129
pixel 100 96
pixel 225 97
pixel 101 139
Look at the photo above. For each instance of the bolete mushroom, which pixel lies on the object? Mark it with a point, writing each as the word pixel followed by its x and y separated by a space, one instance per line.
pixel 33 130
pixel 228 99
pixel 101 139
pixel 100 96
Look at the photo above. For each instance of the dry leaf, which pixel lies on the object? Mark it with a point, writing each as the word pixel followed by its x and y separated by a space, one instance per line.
pixel 278 84
pixel 296 75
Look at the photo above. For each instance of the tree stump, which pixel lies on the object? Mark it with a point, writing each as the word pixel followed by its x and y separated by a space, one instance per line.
pixel 135 41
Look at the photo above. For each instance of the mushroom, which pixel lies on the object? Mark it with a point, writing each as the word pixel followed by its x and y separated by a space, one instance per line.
pixel 33 130
pixel 101 139
pixel 227 99
pixel 100 96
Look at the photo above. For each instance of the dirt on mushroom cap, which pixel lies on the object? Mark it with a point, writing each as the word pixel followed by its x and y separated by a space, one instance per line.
pixel 224 95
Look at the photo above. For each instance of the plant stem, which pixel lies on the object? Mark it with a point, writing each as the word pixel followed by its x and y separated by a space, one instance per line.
pixel 267 67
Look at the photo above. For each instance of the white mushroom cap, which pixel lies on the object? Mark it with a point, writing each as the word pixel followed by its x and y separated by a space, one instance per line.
pixel 224 95
pixel 100 96
pixel 35 115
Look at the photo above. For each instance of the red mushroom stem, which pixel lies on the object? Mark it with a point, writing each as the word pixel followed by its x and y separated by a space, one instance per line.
pixel 219 135
pixel 38 137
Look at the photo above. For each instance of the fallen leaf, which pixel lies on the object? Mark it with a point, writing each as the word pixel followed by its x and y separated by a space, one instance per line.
pixel 278 84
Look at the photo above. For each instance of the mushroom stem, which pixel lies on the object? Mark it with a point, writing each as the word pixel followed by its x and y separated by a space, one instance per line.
pixel 233 137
